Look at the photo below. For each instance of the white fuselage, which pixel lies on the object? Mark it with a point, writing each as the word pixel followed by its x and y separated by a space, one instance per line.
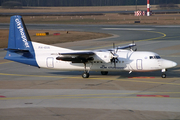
pixel 127 60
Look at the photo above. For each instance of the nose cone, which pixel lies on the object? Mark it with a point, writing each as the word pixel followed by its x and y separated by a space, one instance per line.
pixel 168 64
pixel 174 64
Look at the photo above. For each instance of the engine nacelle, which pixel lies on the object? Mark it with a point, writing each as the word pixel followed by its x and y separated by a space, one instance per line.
pixel 103 56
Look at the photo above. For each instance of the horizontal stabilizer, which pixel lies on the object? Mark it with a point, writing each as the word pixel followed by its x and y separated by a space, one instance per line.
pixel 127 46
pixel 17 50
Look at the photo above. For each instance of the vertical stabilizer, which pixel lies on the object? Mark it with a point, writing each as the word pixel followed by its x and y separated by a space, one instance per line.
pixel 18 35
pixel 20 48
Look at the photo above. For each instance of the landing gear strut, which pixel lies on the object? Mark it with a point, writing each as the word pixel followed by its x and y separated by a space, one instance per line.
pixel 86 72
pixel 164 74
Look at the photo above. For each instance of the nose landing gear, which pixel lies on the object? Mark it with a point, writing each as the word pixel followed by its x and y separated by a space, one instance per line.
pixel 163 73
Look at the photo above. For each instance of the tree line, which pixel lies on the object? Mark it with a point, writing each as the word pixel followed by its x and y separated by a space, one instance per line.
pixel 89 2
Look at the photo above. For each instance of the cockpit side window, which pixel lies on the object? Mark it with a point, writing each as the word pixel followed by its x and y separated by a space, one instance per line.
pixel 150 57
pixel 154 57
pixel 158 57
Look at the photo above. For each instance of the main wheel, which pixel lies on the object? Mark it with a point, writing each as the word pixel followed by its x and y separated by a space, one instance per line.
pixel 85 75
pixel 104 72
pixel 163 75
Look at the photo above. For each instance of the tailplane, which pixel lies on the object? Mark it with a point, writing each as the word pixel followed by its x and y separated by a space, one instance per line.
pixel 20 48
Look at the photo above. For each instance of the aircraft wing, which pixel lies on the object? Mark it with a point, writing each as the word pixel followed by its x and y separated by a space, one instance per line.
pixel 76 57
pixel 88 56
pixel 78 53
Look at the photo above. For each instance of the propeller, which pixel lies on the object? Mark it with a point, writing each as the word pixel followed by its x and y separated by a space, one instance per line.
pixel 113 51
pixel 114 58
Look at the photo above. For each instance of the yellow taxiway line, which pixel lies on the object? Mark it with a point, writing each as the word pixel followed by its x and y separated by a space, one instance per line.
pixel 163 35
pixel 6 62
pixel 101 78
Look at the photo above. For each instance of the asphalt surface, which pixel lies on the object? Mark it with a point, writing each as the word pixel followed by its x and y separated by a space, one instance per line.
pixel 31 93
pixel 165 11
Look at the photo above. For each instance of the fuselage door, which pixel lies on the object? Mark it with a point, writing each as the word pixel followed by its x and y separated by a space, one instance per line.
pixel 50 62
pixel 139 64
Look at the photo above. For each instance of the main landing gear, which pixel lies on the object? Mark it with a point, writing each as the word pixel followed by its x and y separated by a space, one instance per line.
pixel 86 72
pixel 85 75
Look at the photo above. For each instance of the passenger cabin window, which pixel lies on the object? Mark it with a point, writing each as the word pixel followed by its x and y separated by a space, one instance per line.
pixel 154 57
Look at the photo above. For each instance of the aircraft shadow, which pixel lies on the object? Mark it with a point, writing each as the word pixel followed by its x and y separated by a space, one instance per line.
pixel 171 73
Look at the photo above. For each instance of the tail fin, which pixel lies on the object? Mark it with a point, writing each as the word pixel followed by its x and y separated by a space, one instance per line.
pixel 20 48
pixel 18 35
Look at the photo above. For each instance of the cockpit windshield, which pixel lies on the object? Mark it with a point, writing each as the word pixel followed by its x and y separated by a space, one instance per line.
pixel 154 57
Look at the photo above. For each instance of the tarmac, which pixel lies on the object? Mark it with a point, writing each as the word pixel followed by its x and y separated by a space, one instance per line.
pixel 31 93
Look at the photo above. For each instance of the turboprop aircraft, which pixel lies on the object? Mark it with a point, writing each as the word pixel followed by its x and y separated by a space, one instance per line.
pixel 21 49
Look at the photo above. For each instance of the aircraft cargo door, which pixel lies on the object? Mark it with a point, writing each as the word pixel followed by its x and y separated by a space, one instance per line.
pixel 139 64
pixel 50 62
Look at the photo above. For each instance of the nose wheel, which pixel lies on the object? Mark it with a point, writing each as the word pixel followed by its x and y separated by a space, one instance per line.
pixel 163 75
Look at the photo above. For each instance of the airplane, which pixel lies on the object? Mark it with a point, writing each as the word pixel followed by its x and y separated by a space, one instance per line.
pixel 21 49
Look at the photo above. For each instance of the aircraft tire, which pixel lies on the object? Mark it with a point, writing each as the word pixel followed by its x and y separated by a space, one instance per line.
pixel 104 72
pixel 85 75
pixel 163 75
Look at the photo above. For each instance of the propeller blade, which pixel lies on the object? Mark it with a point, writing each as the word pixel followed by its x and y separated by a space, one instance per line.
pixel 111 53
pixel 114 47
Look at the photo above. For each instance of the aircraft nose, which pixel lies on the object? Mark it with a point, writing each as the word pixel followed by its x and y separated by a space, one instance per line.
pixel 174 64
pixel 168 64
